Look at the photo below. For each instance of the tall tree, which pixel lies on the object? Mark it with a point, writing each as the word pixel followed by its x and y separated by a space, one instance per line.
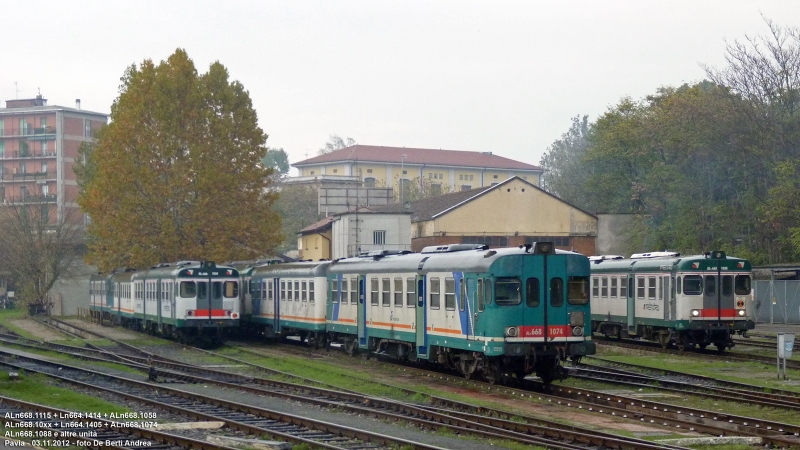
pixel 298 206
pixel 38 250
pixel 278 160
pixel 565 170
pixel 336 143
pixel 177 174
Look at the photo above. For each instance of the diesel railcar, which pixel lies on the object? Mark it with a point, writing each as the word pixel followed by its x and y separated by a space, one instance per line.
pixel 493 313
pixel 188 300
pixel 686 301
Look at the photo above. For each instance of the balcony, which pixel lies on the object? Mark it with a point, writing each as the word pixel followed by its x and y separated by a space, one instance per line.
pixel 27 154
pixel 28 176
pixel 41 133
pixel 28 199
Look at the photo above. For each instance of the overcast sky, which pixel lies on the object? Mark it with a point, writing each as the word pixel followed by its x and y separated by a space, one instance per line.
pixel 499 76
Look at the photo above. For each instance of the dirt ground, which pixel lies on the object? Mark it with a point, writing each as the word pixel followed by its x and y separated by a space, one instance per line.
pixel 39 331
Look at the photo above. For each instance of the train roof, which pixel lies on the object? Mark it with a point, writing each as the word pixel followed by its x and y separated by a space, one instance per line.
pixel 470 260
pixel 187 268
pixel 698 263
pixel 292 269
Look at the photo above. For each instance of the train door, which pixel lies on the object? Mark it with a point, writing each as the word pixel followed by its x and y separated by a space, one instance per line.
pixel 422 319
pixel 556 313
pixel 665 289
pixel 467 307
pixel 276 304
pixel 159 293
pixel 631 304
pixel 215 297
pixel 258 292
pixel 202 302
pixel 361 314
pixel 535 309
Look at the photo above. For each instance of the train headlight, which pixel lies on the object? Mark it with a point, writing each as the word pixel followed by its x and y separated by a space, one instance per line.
pixel 576 319
pixel 235 315
pixel 740 303
pixel 695 313
pixel 577 331
pixel 512 331
pixel 741 313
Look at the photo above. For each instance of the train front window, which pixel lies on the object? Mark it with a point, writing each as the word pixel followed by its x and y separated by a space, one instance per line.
pixel 532 292
pixel 188 289
pixel 202 289
pixel 692 285
pixel 711 285
pixel 556 292
pixel 742 284
pixel 578 290
pixel 506 291
pixel 727 285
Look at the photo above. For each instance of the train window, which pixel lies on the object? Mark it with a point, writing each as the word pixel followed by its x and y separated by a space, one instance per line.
pixel 623 286
pixel 651 287
pixel 335 291
pixel 296 291
pixel 202 290
pixel 556 292
pixel 488 291
pixel 231 289
pixel 480 294
pixel 595 287
pixel 311 291
pixel 678 285
pixel 434 294
pixel 449 294
pixel 613 287
pixel 463 298
pixel 303 291
pixel 269 289
pixel 353 291
pixel 692 285
pixel 742 284
pixel 727 285
pixel 532 292
pixel 386 292
pixel 398 292
pixel 216 290
pixel 344 290
pixel 374 292
pixel 578 290
pixel 604 287
pixel 710 285
pixel 283 291
pixel 506 291
pixel 188 289
pixel 640 287
pixel 411 292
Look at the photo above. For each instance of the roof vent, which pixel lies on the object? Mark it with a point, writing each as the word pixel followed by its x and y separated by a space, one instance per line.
pixel 453 248
pixel 654 255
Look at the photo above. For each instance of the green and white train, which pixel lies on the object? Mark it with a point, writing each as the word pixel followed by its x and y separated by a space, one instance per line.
pixel 686 301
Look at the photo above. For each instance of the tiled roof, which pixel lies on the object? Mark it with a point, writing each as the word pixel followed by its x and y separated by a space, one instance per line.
pixel 417 156
pixel 318 226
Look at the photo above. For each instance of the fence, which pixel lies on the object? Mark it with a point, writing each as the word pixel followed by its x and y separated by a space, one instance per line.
pixel 777 301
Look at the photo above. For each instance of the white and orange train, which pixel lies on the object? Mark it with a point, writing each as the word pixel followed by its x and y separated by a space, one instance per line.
pixel 187 300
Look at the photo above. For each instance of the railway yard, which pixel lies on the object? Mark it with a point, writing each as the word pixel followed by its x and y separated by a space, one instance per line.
pixel 247 394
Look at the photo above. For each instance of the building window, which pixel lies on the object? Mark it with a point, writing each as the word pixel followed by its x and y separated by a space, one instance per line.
pixel 461 177
pixel 23 168
pixel 23 191
pixel 379 237
pixel 43 122
pixel 493 184
pixel 491 241
pixel 495 177
pixel 465 187
pixel 369 170
pixel 2 127
pixel 2 147
pixel 312 172
pixel 470 177
pixel 335 170
pixel 436 189
pixel 405 172
pixel 369 182
pixel 87 128
pixel 44 148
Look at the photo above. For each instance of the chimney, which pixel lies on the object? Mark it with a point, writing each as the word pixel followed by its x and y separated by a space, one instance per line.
pixel 77 103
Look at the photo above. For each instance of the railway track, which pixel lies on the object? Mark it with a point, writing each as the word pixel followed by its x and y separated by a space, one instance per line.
pixel 460 418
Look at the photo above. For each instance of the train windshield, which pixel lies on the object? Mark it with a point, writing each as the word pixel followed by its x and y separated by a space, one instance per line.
pixel 742 284
pixel 578 290
pixel 506 291
pixel 692 285
pixel 188 289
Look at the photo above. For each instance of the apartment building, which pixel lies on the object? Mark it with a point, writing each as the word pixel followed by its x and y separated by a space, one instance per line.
pixel 38 148
pixel 409 169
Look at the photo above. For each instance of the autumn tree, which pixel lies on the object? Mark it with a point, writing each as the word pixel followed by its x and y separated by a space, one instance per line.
pixel 177 174
pixel 39 247
pixel 565 170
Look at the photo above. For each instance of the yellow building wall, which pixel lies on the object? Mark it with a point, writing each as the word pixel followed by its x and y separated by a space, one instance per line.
pixel 372 171
pixel 315 246
pixel 514 208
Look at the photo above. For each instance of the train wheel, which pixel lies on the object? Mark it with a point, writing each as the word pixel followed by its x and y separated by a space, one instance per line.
pixel 664 340
pixel 720 347
pixel 350 347
pixel 491 372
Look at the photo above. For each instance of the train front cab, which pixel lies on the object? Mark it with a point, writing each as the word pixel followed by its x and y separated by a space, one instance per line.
pixel 712 296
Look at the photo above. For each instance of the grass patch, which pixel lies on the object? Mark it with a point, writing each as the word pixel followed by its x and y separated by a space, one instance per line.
pixel 36 388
